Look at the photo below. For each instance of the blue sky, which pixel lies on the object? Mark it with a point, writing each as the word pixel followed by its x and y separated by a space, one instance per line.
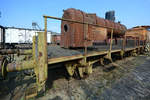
pixel 21 13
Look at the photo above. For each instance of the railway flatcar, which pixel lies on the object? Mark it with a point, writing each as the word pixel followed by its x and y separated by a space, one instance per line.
pixel 77 29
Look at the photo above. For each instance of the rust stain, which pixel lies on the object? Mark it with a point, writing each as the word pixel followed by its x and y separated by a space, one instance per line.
pixel 40 54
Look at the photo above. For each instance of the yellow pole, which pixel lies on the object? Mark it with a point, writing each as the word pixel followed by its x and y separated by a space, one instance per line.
pixel 111 40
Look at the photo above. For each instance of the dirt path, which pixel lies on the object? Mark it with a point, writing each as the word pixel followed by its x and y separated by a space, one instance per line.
pixel 129 81
pixel 134 86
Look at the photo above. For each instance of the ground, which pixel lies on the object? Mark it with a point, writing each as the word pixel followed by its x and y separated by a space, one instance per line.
pixel 129 80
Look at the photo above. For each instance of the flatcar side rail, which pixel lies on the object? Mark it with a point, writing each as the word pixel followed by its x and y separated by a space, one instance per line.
pixel 78 57
pixel 63 59
pixel 75 21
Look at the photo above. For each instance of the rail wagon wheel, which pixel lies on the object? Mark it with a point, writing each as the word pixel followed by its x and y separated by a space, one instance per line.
pixel 3 64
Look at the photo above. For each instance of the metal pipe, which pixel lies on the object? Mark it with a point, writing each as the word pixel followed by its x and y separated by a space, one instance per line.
pixel 25 52
pixel 15 51
pixel 18 66
pixel 75 21
pixel 45 39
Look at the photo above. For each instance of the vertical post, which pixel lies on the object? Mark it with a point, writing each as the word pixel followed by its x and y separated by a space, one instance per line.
pixel 43 52
pixel 42 60
pixel 138 41
pixel 40 57
pixel 3 37
pixel 85 40
pixel 124 42
pixel 35 58
pixel 45 39
pixel 135 41
pixel 109 53
pixel 85 31
pixel 25 37
pixel 111 40
pixel 32 92
pixel 34 45
pixel 138 45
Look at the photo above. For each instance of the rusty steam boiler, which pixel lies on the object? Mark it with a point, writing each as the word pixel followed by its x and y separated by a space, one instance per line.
pixel 75 34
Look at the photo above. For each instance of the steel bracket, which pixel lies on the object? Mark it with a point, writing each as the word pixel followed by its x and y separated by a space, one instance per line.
pixel 71 67
pixel 122 54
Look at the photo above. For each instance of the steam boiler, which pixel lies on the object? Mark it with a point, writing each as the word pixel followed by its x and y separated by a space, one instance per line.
pixel 75 34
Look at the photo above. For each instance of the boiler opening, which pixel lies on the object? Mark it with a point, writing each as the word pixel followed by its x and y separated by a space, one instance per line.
pixel 66 27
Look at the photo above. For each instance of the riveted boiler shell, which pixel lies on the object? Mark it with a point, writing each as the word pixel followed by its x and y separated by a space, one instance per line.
pixel 72 34
pixel 75 34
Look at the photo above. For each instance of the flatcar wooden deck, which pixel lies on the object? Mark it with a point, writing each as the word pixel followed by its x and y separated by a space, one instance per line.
pixel 69 55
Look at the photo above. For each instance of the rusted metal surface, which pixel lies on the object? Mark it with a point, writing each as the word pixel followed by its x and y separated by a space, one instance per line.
pixel 99 34
pixel 18 66
pixel 73 33
pixel 137 36
pixel 140 31
pixel 136 33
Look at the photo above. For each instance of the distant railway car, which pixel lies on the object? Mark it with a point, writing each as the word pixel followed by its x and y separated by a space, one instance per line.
pixel 14 36
pixel 74 34
pixel 55 39
pixel 140 33
pixel 22 35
